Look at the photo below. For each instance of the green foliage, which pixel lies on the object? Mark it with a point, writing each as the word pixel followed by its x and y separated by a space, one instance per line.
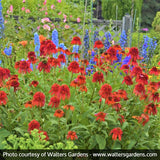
pixel 124 6
pixel 149 10
pixel 34 140
pixel 156 22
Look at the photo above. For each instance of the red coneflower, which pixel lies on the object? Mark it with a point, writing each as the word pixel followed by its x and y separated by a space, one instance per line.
pixel 28 104
pixel 152 87
pixel 24 67
pixel 62 58
pixel 38 99
pixel 105 91
pixel 32 57
pixel 142 78
pixel 54 62
pixel 45 134
pixel 98 44
pixel 15 84
pixel 134 53
pixel 116 106
pixel 69 107
pixel 74 83
pixel 67 52
pixel 72 135
pixel 83 89
pixel 34 83
pixel 4 74
pixel 125 68
pixel 127 80
pixel 44 65
pixel 117 132
pixel 47 48
pixel 136 71
pixel 76 41
pixel 3 98
pixel 64 92
pixel 139 89
pixel 82 70
pixel 151 109
pixel 100 116
pixel 74 67
pixel 59 113
pixel 112 54
pixel 98 77
pixel 144 118
pixel 121 119
pixel 122 94
pixel 16 66
pixel 155 97
pixel 54 102
pixel 33 125
pixel 81 79
pixel 54 89
pixel 154 71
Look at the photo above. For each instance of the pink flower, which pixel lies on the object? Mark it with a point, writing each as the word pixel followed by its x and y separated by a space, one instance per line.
pixel 11 8
pixel 28 11
pixel 23 1
pixel 46 13
pixel 5 22
pixel 59 13
pixel 52 6
pixel 66 26
pixel 70 16
pixel 44 3
pixel 45 20
pixel 65 18
pixel 46 27
pixel 22 8
pixel 38 27
pixel 78 20
pixel 59 1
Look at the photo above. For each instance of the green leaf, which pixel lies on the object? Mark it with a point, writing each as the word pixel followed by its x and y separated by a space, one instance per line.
pixel 101 141
pixel 132 143
pixel 125 124
pixel 3 133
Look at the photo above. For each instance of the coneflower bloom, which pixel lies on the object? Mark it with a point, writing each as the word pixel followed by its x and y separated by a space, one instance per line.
pixel 74 67
pixel 54 102
pixel 100 116
pixel 98 44
pixel 98 77
pixel 105 91
pixel 72 135
pixel 64 92
pixel 59 113
pixel 117 132
pixel 38 99
pixel 69 107
pixel 151 109
pixel 76 41
pixel 24 67
pixel 33 125
pixel 54 89
pixel 44 65
pixel 139 89
pixel 127 80
pixel 3 98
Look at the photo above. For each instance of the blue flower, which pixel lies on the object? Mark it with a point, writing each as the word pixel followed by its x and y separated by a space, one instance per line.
pixel 8 51
pixel 107 43
pixel 55 39
pixel 1 22
pixel 123 39
pixel 36 43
